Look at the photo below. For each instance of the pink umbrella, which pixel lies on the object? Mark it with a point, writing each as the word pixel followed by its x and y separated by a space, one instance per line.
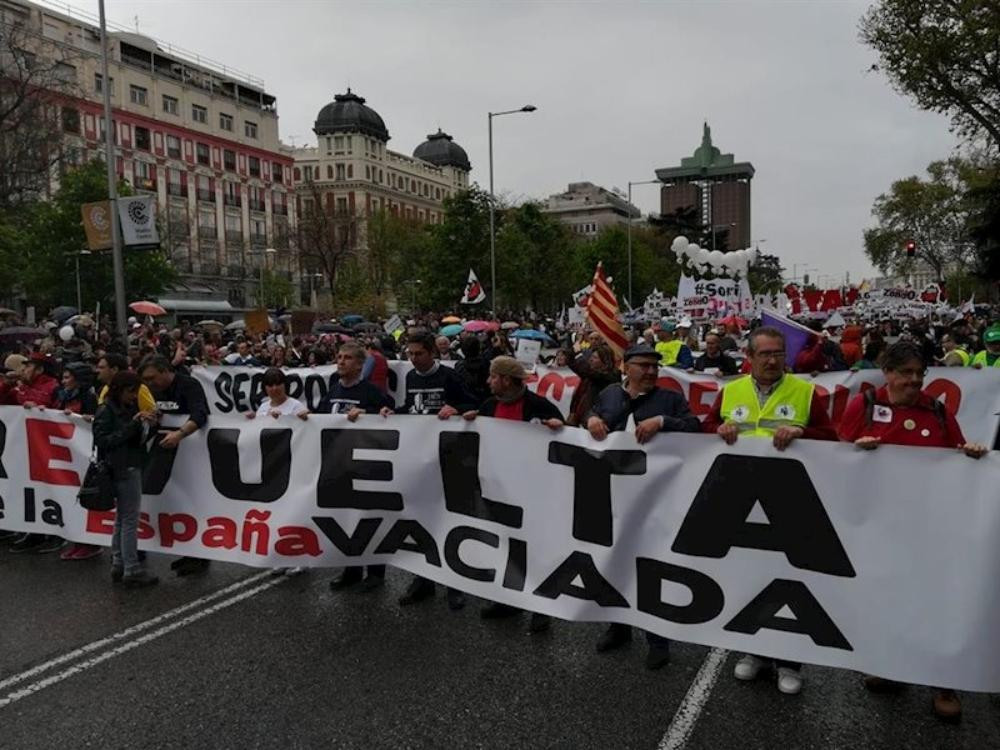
pixel 481 325
pixel 148 308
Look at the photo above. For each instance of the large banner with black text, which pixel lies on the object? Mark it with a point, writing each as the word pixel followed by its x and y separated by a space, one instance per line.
pixel 882 562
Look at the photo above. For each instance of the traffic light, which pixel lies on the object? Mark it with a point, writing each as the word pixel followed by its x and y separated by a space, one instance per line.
pixel 911 249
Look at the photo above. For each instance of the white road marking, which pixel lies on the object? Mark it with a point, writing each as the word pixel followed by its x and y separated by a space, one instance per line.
pixel 694 701
pixel 130 631
pixel 140 641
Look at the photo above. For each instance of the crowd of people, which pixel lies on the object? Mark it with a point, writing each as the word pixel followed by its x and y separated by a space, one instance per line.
pixel 475 375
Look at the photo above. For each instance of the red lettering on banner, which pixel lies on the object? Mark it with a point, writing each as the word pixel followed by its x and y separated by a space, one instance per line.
pixel 951 391
pixel 297 540
pixel 101 522
pixel 146 530
pixel 697 389
pixel 169 533
pixel 221 532
pixel 554 382
pixel 667 382
pixel 254 525
pixel 42 451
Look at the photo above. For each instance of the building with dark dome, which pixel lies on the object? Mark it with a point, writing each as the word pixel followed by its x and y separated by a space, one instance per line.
pixel 351 174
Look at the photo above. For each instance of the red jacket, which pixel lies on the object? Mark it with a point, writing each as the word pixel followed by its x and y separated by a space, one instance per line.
pixel 379 376
pixel 41 391
pixel 901 425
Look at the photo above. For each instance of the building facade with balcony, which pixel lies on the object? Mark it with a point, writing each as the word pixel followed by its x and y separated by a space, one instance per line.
pixel 350 174
pixel 200 136
pixel 587 208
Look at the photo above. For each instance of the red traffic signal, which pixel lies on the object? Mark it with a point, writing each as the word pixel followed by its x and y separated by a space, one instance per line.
pixel 911 249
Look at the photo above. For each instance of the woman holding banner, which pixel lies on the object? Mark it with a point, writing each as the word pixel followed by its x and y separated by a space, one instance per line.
pixel 902 413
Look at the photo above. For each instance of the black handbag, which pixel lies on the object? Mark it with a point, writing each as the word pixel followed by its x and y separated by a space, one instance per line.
pixel 98 489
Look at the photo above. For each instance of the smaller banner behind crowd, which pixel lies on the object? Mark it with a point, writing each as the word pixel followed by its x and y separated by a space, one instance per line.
pixel 823 553
pixel 974 395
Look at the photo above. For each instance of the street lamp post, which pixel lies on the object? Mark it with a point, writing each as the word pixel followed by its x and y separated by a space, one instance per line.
pixel 268 251
pixel 493 252
pixel 628 231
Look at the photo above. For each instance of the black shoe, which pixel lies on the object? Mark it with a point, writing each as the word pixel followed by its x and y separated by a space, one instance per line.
pixel 539 623
pixel 117 573
pixel 614 637
pixel 50 544
pixel 192 566
pixel 496 611
pixel 9 536
pixel 371 582
pixel 347 578
pixel 658 657
pixel 139 580
pixel 26 543
pixel 141 555
pixel 456 600
pixel 418 590
pixel 180 562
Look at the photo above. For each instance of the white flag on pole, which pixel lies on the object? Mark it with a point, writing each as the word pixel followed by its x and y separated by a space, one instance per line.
pixel 474 293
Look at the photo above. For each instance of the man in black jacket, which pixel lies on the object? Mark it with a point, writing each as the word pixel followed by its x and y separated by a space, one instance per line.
pixel 176 393
pixel 512 400
pixel 352 395
pixel 653 410
pixel 431 388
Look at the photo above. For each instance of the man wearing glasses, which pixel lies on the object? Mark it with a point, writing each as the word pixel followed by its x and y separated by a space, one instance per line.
pixel 637 400
pixel 768 403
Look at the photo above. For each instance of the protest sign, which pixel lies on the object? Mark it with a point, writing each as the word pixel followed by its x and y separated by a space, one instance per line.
pixel 855 567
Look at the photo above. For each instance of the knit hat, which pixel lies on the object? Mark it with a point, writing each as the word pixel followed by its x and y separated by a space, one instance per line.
pixel 509 367
pixel 13 362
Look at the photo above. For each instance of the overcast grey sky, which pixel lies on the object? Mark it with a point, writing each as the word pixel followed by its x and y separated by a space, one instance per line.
pixel 621 89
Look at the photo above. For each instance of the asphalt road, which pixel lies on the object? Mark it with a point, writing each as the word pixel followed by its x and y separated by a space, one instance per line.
pixel 237 659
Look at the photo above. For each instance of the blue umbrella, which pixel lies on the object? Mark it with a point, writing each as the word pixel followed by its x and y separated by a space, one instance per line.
pixel 349 320
pixel 531 333
pixel 451 330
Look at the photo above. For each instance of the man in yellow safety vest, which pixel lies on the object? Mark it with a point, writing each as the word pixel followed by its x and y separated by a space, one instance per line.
pixel 990 356
pixel 672 350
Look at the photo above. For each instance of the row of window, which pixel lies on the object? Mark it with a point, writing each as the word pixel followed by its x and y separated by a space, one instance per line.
pixel 307 207
pixel 585 228
pixel 344 144
pixel 139 95
pixel 346 172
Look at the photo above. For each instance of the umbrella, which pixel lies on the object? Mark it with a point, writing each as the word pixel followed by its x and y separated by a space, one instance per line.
pixel 452 330
pixel 533 335
pixel 348 320
pixel 480 325
pixel 147 308
pixel 331 328
pixel 237 325
pixel 451 319
pixel 208 324
pixel 61 313
pixel 21 333
pixel 733 320
pixel 510 325
pixel 4 311
pixel 367 327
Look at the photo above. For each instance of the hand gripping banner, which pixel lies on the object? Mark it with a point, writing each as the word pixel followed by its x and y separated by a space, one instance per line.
pixel 882 562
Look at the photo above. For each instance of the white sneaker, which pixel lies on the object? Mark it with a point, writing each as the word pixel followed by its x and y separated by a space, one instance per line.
pixel 748 667
pixel 294 571
pixel 789 680
pixel 278 572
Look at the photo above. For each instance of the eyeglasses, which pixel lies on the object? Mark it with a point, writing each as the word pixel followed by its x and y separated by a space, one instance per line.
pixel 644 365
pixel 778 354
pixel 910 372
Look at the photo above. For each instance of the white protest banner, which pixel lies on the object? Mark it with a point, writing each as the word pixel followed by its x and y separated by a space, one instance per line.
pixel 974 395
pixel 138 220
pixel 706 296
pixel 856 567
pixel 393 324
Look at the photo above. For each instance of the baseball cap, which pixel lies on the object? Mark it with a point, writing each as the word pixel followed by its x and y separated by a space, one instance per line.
pixel 992 335
pixel 667 325
pixel 641 350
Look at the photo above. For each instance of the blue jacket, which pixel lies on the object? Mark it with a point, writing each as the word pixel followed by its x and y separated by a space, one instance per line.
pixel 614 406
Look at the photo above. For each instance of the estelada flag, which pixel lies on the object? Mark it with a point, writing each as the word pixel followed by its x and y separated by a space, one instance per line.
pixel 474 293
pixel 602 313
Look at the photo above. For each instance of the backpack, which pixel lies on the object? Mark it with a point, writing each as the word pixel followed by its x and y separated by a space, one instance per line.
pixel 939 410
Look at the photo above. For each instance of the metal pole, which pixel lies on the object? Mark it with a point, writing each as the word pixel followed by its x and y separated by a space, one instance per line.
pixel 493 250
pixel 79 295
pixel 263 260
pixel 109 157
pixel 628 233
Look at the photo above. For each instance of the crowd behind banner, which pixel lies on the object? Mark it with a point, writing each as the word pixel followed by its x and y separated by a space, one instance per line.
pixel 449 367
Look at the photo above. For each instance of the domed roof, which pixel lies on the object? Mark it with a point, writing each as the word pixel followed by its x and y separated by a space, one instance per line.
pixel 441 150
pixel 347 113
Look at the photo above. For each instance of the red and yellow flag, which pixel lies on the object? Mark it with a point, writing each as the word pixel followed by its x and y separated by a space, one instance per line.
pixel 602 313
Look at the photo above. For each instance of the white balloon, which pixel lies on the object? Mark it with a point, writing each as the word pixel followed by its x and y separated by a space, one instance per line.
pixel 66 333
pixel 716 258
pixel 679 245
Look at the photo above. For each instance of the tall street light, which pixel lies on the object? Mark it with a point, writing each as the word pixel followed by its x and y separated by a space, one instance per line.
pixel 628 231
pixel 493 249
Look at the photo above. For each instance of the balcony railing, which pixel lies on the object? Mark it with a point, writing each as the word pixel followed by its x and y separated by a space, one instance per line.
pixel 208 196
pixel 235 270
pixel 280 208
pixel 208 233
pixel 234 237
pixel 258 241
pixel 145 183
pixel 176 188
pixel 209 268
pixel 256 205
pixel 232 200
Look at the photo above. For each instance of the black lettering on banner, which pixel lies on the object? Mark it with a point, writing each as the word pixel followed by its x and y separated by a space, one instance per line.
pixel 707 599
pixel 595 587
pixel 276 464
pixel 453 542
pixel 3 446
pixel 409 535
pixel 458 454
pixel 592 470
pixel 224 387
pixel 239 381
pixel 353 545
pixel 810 618
pixel 517 564
pixel 339 469
pixel 158 469
pixel 799 525
pixel 52 513
pixel 29 505
pixel 1 508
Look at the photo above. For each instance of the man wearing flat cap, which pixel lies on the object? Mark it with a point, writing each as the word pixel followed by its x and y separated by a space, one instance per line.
pixel 653 409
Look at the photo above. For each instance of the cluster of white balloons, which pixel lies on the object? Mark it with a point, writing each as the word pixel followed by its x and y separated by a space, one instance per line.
pixel 733 264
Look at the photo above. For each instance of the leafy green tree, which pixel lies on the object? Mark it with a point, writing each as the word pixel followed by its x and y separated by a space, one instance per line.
pixel 931 213
pixel 278 291
pixel 534 260
pixel 50 238
pixel 943 54
pixel 765 275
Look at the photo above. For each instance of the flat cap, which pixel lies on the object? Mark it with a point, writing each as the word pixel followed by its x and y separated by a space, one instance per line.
pixel 641 350
pixel 509 367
